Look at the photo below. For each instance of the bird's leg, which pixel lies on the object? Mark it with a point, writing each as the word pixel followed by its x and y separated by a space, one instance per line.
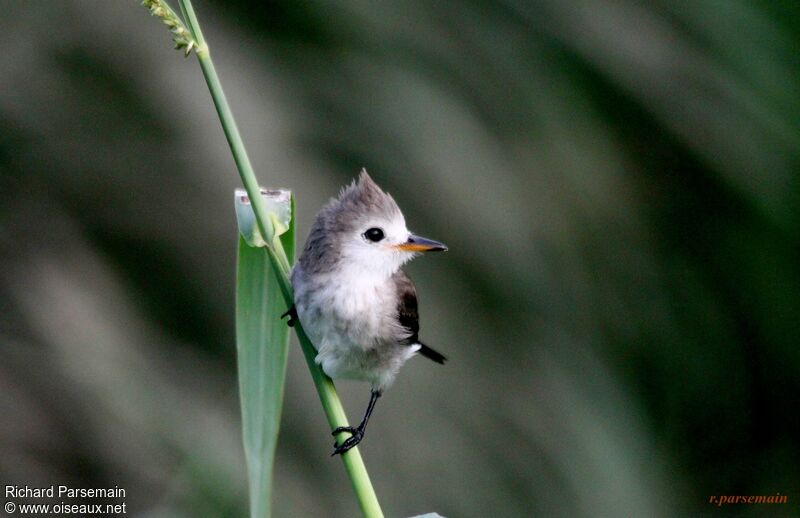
pixel 358 432
pixel 292 314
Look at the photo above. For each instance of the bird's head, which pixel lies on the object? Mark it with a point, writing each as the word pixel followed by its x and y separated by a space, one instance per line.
pixel 364 230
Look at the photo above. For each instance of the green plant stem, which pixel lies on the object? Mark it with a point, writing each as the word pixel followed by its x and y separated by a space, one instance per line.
pixel 331 403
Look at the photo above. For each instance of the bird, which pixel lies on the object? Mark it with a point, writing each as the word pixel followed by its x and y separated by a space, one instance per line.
pixel 353 299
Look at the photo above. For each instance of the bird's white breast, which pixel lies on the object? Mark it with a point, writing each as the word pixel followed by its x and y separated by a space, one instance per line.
pixel 343 309
pixel 352 320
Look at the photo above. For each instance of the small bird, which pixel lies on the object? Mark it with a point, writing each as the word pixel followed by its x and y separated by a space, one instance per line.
pixel 355 303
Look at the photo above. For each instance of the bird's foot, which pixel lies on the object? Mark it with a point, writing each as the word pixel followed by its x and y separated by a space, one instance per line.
pixel 354 439
pixel 292 314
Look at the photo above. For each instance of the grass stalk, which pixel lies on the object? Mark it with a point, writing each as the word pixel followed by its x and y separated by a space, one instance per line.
pixel 354 464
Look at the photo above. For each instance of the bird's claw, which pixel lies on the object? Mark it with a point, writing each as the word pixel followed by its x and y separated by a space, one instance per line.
pixel 292 314
pixel 348 443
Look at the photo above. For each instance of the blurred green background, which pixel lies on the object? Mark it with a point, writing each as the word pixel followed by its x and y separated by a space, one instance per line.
pixel 617 182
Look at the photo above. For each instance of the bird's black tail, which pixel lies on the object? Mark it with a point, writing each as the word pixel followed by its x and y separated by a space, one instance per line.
pixel 427 352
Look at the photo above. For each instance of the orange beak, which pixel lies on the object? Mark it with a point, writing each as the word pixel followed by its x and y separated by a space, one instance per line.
pixel 421 244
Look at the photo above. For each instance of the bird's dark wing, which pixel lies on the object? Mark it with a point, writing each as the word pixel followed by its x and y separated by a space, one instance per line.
pixel 408 315
pixel 407 306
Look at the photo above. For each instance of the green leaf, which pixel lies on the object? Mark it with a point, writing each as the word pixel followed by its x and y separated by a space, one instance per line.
pixel 278 204
pixel 262 340
pixel 287 238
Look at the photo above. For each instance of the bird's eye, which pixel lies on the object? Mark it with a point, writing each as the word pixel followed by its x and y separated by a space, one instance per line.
pixel 374 234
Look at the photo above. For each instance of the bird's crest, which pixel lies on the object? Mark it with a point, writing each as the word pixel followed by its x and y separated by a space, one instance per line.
pixel 363 196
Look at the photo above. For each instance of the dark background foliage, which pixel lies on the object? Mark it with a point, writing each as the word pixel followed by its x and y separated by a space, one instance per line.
pixel 617 182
